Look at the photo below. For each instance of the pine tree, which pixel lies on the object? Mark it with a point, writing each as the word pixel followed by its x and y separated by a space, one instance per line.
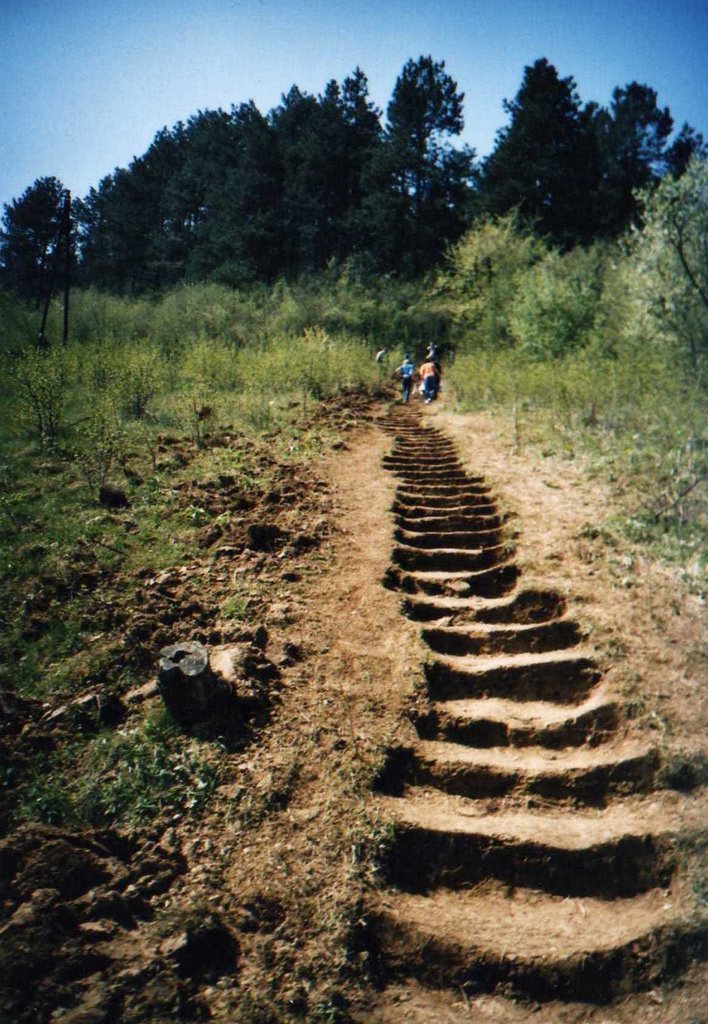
pixel 31 238
pixel 545 160
pixel 419 204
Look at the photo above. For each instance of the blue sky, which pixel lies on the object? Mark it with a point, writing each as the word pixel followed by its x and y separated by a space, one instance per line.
pixel 85 84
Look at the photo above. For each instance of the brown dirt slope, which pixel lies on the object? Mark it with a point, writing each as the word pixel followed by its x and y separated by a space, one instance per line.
pixel 456 806
pixel 538 852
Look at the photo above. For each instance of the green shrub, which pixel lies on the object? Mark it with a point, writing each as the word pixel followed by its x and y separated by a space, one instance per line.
pixel 18 325
pixel 101 445
pixel 483 278
pixel 99 318
pixel 42 380
pixel 554 310
pixel 139 378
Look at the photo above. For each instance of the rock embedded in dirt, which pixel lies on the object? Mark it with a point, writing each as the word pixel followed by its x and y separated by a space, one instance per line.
pixel 88 713
pixel 236 662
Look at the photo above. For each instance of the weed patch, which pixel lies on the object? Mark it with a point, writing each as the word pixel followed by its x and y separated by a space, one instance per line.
pixel 126 777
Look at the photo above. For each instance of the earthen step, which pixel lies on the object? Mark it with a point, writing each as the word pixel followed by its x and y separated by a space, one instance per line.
pixel 456 523
pixel 449 559
pixel 585 775
pixel 416 505
pixel 417 438
pixel 399 462
pixel 501 638
pixel 522 606
pixel 539 946
pixel 464 539
pixel 462 497
pixel 420 488
pixel 619 850
pixel 412 425
pixel 494 722
pixel 433 454
pixel 438 460
pixel 434 445
pixel 434 477
pixel 487 582
pixel 562 676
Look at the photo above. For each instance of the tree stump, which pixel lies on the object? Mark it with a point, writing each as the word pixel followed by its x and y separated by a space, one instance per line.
pixel 187 685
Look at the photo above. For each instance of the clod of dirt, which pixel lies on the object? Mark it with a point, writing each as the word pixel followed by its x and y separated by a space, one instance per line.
pixel 209 535
pixel 264 536
pixel 304 542
pixel 63 866
pixel 205 951
pixel 62 893
pixel 260 913
pixel 111 496
pixel 15 711
pixel 260 637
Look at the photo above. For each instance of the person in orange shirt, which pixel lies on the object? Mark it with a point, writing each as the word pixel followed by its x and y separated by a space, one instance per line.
pixel 429 376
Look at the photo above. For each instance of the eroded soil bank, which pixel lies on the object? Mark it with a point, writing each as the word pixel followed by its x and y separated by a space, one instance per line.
pixel 261 909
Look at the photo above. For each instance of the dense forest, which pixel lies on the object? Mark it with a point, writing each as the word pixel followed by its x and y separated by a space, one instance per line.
pixel 240 197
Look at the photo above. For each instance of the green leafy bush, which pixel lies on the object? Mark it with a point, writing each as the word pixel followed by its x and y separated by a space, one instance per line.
pixel 102 445
pixel 42 382
pixel 483 279
pixel 140 378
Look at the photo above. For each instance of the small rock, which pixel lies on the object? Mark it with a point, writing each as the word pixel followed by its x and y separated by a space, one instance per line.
pixel 98 931
pixel 141 693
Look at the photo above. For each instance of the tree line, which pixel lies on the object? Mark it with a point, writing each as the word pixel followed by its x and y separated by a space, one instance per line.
pixel 238 196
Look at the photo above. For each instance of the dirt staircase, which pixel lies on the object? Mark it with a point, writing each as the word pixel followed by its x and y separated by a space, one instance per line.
pixel 533 846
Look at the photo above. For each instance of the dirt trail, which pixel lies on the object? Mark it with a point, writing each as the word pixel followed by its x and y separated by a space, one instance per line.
pixel 535 851
pixel 537 868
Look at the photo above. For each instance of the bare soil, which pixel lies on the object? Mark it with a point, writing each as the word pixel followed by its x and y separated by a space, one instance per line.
pixel 277 903
pixel 515 816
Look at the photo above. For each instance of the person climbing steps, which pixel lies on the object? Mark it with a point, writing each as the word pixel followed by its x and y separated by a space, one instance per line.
pixel 405 373
pixel 429 374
